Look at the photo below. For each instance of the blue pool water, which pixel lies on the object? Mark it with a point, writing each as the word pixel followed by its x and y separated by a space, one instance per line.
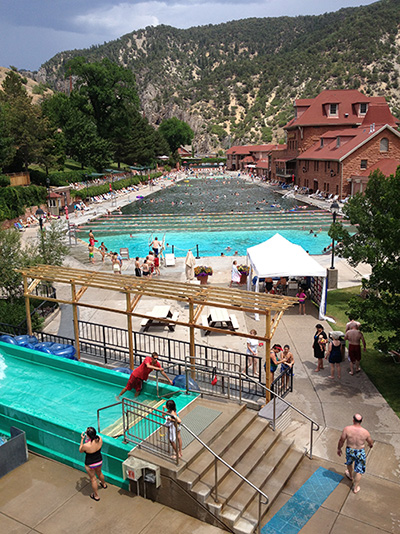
pixel 212 243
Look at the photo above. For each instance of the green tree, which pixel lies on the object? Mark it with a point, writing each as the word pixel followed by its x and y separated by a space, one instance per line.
pixel 176 133
pixel 22 121
pixel 12 257
pixel 107 93
pixel 51 247
pixel 376 214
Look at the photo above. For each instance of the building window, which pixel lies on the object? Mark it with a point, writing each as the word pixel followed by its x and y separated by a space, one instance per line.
pixel 337 142
pixel 327 166
pixel 384 145
pixel 363 108
pixel 364 164
pixel 316 166
pixel 322 142
pixel 333 108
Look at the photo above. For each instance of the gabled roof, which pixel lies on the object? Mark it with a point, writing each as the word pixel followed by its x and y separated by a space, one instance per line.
pixel 262 163
pixel 348 114
pixel 248 149
pixel 379 114
pixel 248 159
pixel 387 166
pixel 350 140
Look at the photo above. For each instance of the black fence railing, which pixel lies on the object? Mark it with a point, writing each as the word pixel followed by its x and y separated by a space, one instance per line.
pixel 283 383
pixel 110 344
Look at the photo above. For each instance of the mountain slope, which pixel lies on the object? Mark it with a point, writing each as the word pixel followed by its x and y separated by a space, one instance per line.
pixel 236 82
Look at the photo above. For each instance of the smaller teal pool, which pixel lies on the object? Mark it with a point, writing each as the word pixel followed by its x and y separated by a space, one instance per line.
pixel 54 400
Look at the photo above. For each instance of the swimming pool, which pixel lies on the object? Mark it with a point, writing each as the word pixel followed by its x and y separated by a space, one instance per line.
pixel 54 399
pixel 218 214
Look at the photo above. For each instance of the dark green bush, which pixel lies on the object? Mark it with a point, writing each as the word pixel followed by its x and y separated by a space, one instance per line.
pixel 14 200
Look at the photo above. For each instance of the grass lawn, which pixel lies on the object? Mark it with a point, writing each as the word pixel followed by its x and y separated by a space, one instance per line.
pixel 380 368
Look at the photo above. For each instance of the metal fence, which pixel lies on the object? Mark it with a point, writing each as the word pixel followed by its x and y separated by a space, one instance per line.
pixel 111 344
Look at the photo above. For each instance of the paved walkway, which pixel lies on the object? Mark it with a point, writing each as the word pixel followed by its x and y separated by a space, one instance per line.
pixel 331 403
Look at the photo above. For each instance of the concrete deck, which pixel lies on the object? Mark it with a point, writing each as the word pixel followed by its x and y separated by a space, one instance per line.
pixel 49 497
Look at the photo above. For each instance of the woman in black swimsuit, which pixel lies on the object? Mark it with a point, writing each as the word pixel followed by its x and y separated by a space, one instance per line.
pixel 91 444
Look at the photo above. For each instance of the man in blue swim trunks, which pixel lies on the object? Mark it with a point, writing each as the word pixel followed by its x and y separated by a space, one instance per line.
pixel 356 436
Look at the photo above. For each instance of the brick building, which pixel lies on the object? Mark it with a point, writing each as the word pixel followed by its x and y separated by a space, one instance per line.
pixel 251 157
pixel 333 139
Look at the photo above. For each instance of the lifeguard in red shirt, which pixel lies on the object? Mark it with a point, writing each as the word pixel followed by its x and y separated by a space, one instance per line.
pixel 141 374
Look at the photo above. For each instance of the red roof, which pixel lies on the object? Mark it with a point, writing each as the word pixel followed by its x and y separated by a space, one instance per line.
pixel 262 164
pixel 54 195
pixel 284 160
pixel 379 114
pixel 248 149
pixel 315 114
pixel 350 139
pixel 248 159
pixel 387 166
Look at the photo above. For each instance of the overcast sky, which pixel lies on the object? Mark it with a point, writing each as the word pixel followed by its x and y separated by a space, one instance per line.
pixel 33 31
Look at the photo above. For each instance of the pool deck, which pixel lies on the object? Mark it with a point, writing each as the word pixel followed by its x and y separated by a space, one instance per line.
pixel 44 496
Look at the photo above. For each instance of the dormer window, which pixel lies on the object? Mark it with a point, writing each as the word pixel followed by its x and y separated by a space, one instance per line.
pixel 333 109
pixel 337 142
pixel 322 142
pixel 363 108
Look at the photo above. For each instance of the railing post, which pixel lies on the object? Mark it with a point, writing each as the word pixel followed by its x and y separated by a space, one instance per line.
pixel 216 481
pixel 259 514
pixel 311 440
pixel 274 411
pixel 104 344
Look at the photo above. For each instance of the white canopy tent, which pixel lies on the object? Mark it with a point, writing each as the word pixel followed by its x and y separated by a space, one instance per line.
pixel 278 257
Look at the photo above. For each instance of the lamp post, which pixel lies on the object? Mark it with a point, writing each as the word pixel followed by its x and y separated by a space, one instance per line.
pixel 334 210
pixel 39 214
pixel 333 273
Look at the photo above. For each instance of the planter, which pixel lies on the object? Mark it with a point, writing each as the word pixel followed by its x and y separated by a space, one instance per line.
pixel 243 279
pixel 203 279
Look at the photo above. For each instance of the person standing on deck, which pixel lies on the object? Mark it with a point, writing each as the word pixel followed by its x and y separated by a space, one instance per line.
pixel 356 436
pixel 141 374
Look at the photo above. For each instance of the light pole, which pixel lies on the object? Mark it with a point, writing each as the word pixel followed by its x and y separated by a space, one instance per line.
pixel 334 210
pixel 39 214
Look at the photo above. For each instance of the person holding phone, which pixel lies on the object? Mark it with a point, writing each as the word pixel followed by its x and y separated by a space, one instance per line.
pixel 91 444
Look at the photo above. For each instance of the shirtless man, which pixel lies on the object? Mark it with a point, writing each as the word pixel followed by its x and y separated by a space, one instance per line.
pixel 156 246
pixel 352 324
pixel 356 436
pixel 354 337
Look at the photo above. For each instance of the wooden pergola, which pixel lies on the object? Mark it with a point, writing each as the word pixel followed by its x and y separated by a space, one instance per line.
pixel 269 307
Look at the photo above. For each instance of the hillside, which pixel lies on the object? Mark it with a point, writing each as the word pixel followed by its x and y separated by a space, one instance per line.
pixel 236 82
pixel 34 89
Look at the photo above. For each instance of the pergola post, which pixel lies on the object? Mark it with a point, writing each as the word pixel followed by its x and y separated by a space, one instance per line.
pixel 192 348
pixel 130 337
pixel 27 307
pixel 267 354
pixel 75 316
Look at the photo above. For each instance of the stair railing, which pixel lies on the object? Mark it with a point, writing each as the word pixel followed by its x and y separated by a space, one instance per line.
pixel 314 424
pixel 217 459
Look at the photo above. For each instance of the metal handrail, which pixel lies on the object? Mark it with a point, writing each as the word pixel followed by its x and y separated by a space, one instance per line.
pixel 213 364
pixel 104 408
pixel 233 470
pixel 275 395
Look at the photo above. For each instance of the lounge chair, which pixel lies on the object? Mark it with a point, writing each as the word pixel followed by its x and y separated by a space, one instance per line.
pixel 19 227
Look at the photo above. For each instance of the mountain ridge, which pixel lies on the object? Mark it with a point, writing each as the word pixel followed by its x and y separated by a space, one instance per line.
pixel 236 82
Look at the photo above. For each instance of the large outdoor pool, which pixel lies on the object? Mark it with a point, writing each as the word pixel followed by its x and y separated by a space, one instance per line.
pixel 217 215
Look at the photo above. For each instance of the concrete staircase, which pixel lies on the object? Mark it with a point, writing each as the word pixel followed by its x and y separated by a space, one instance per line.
pixel 247 443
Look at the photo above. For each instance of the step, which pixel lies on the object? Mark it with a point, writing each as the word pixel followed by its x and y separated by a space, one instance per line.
pixel 257 452
pixel 241 455
pixel 262 471
pixel 202 462
pixel 247 523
